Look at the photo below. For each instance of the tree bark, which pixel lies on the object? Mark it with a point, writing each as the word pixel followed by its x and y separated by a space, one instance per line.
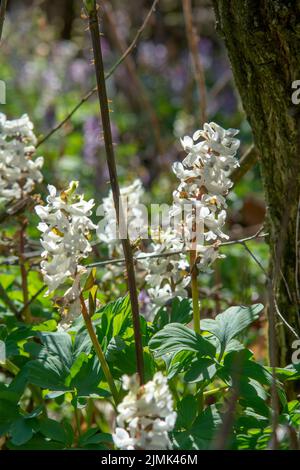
pixel 263 43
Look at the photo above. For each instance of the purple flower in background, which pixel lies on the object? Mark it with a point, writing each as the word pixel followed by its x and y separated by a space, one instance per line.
pixel 80 71
pixel 145 305
pixel 178 76
pixel 206 52
pixel 152 55
pixel 93 139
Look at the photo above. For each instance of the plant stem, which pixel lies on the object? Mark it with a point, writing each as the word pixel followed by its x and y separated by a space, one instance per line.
pixel 103 102
pixel 195 292
pixel 77 420
pixel 213 391
pixel 11 367
pixel 99 352
pixel 26 309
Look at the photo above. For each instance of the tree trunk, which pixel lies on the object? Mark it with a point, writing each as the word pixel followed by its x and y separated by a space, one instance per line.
pixel 263 42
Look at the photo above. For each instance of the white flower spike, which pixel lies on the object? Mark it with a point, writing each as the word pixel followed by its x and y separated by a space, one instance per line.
pixel 146 415
pixel 18 172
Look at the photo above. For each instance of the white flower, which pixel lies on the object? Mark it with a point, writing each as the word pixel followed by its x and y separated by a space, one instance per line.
pixel 130 199
pixel 65 229
pixel 145 415
pixel 18 172
pixel 167 276
pixel 204 183
pixel 135 222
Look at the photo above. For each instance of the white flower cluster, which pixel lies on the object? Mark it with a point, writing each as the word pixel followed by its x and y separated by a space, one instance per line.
pixel 167 276
pixel 204 184
pixel 196 218
pixel 197 215
pixel 130 198
pixel 18 172
pixel 65 228
pixel 145 415
pixel 107 230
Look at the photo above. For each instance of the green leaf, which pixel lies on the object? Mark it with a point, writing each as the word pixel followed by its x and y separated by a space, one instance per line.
pixel 186 412
pixel 180 311
pixel 176 337
pixel 231 323
pixel 87 380
pixel 90 281
pixel 114 319
pixel 21 431
pixel 9 411
pixel 53 430
pixel 93 437
pixel 38 442
pixel 201 369
pixel 64 365
pixel 123 362
pixel 179 362
pixel 202 432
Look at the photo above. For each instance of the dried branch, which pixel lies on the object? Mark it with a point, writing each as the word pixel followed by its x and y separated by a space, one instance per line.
pixel 108 75
pixel 170 253
pixel 7 301
pixel 247 162
pixel 35 254
pixel 274 302
pixel 32 299
pixel 193 42
pixel 137 86
pixel 104 109
pixel 3 6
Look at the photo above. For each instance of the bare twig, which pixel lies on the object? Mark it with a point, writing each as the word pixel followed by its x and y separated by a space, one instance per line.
pixel 247 161
pixel 273 363
pixel 7 301
pixel 223 434
pixel 3 6
pixel 32 299
pixel 275 305
pixel 193 42
pixel 108 75
pixel 110 156
pixel 35 254
pixel 170 253
pixel 137 86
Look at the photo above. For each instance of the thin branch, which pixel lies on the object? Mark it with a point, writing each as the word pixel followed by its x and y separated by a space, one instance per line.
pixel 247 161
pixel 138 90
pixel 193 42
pixel 108 75
pixel 3 6
pixel 111 162
pixel 32 299
pixel 275 305
pixel 35 254
pixel 7 301
pixel 170 253
pixel 273 360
